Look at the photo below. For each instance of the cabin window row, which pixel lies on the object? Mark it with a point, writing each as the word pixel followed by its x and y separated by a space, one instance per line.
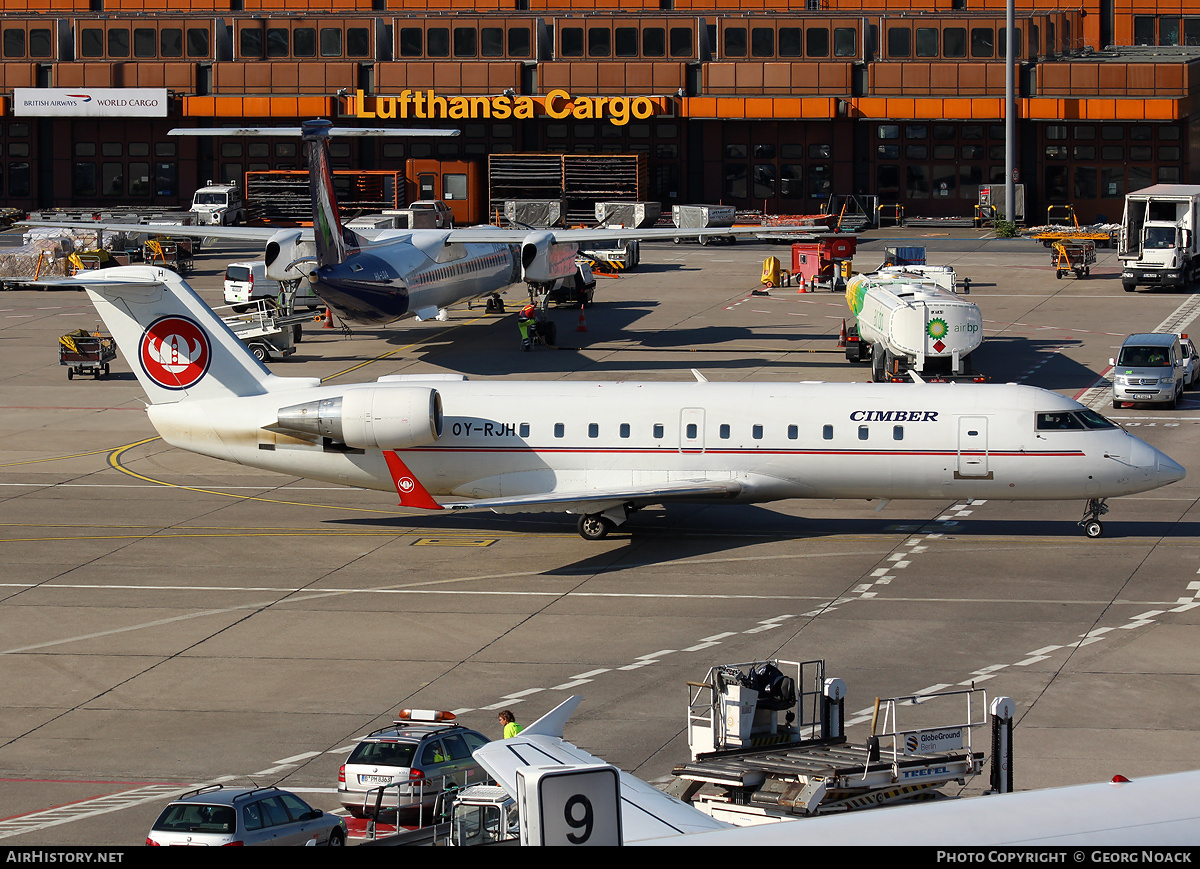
pixel 691 431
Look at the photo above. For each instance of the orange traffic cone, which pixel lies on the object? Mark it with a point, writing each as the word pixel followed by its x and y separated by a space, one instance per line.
pixel 328 324
pixel 582 327
pixel 842 337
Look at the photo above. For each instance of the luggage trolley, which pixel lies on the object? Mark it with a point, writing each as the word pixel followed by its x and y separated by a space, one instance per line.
pixel 1077 255
pixel 86 353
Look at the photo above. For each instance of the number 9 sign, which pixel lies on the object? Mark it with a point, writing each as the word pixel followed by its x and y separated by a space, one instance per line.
pixel 570 805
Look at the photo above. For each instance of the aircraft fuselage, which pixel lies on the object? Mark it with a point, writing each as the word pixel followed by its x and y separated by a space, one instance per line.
pixel 774 440
pixel 413 273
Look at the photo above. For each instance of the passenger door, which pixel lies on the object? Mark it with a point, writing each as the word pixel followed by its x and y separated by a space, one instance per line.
pixel 972 448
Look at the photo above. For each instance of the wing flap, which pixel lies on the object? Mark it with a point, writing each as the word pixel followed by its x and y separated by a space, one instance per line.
pixel 598 500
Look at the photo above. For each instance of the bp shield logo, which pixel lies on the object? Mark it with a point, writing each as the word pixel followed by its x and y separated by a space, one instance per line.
pixel 174 352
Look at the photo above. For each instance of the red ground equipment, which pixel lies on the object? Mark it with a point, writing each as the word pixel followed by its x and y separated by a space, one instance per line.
pixel 823 264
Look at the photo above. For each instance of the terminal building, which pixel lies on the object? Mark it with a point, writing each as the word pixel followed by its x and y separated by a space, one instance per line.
pixel 774 106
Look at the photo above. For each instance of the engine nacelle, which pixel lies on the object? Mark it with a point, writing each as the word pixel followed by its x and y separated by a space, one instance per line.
pixel 288 258
pixel 386 418
pixel 544 260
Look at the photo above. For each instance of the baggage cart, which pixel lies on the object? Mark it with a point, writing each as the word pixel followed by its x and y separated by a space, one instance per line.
pixel 86 353
pixel 1076 255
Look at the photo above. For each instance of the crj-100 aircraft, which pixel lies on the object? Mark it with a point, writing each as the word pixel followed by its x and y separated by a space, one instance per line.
pixel 603 450
pixel 380 276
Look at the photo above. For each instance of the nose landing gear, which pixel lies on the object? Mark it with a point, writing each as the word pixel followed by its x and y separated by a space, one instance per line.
pixel 1092 511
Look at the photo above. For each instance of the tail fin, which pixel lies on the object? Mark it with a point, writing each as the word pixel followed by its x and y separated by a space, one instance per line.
pixel 175 344
pixel 334 242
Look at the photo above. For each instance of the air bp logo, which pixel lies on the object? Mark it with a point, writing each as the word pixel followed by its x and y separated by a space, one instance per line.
pixel 938 328
pixel 174 352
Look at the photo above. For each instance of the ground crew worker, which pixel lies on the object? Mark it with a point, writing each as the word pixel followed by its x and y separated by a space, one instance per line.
pixel 511 728
pixel 527 323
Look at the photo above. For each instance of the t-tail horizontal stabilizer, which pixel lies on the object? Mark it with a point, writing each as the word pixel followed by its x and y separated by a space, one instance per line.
pixel 175 344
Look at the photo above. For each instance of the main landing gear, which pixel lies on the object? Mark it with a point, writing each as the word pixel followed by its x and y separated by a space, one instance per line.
pixel 596 526
pixel 1092 512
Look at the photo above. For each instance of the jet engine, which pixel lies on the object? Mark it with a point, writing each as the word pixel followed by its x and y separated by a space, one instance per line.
pixel 288 258
pixel 386 418
pixel 544 260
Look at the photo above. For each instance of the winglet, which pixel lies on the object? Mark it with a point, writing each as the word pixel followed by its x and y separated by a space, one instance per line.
pixel 554 722
pixel 408 487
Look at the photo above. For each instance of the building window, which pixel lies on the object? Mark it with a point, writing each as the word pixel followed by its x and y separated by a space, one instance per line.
pixel 437 42
pixel 899 42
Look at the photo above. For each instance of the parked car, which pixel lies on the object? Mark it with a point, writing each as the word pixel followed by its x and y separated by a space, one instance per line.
pixel 413 761
pixel 443 216
pixel 1191 362
pixel 218 815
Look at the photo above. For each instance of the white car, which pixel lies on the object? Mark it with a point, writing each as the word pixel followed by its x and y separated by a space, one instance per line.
pixel 443 216
pixel 217 815
pixel 1191 362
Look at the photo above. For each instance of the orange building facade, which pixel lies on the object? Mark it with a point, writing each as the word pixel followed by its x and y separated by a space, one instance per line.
pixel 770 105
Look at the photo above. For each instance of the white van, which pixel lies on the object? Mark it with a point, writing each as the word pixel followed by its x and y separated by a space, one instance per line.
pixel 246 283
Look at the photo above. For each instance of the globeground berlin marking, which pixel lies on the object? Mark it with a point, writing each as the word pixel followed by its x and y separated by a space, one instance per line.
pixel 174 352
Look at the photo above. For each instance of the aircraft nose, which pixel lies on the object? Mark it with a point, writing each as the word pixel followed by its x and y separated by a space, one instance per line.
pixel 1168 470
pixel 1155 466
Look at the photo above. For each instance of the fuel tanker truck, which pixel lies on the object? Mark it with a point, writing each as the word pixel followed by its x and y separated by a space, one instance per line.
pixel 910 319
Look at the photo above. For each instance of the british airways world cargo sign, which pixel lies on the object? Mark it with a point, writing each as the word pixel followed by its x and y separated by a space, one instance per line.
pixel 91 102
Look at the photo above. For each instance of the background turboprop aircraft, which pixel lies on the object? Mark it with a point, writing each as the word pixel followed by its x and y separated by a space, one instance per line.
pixel 380 276
pixel 602 450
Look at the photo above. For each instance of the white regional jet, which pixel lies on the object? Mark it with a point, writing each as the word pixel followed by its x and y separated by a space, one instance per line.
pixel 380 276
pixel 605 449
pixel 1155 811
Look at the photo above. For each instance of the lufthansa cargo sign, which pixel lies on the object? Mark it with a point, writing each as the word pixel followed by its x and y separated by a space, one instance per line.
pixel 90 102
pixel 557 104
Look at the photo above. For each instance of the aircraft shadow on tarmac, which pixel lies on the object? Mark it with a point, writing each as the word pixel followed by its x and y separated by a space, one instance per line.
pixel 689 530
pixel 495 349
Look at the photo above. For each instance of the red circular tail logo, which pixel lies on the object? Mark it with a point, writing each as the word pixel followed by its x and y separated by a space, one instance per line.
pixel 174 352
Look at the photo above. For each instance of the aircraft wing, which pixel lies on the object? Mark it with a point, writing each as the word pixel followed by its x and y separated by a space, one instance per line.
pixel 496 235
pixel 226 233
pixel 1154 811
pixel 646 812
pixel 599 500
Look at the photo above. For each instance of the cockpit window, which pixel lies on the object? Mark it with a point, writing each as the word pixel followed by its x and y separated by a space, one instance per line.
pixel 1062 420
pixel 1058 421
pixel 1091 419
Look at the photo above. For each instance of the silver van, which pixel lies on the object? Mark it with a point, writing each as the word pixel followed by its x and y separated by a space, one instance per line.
pixel 1149 368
